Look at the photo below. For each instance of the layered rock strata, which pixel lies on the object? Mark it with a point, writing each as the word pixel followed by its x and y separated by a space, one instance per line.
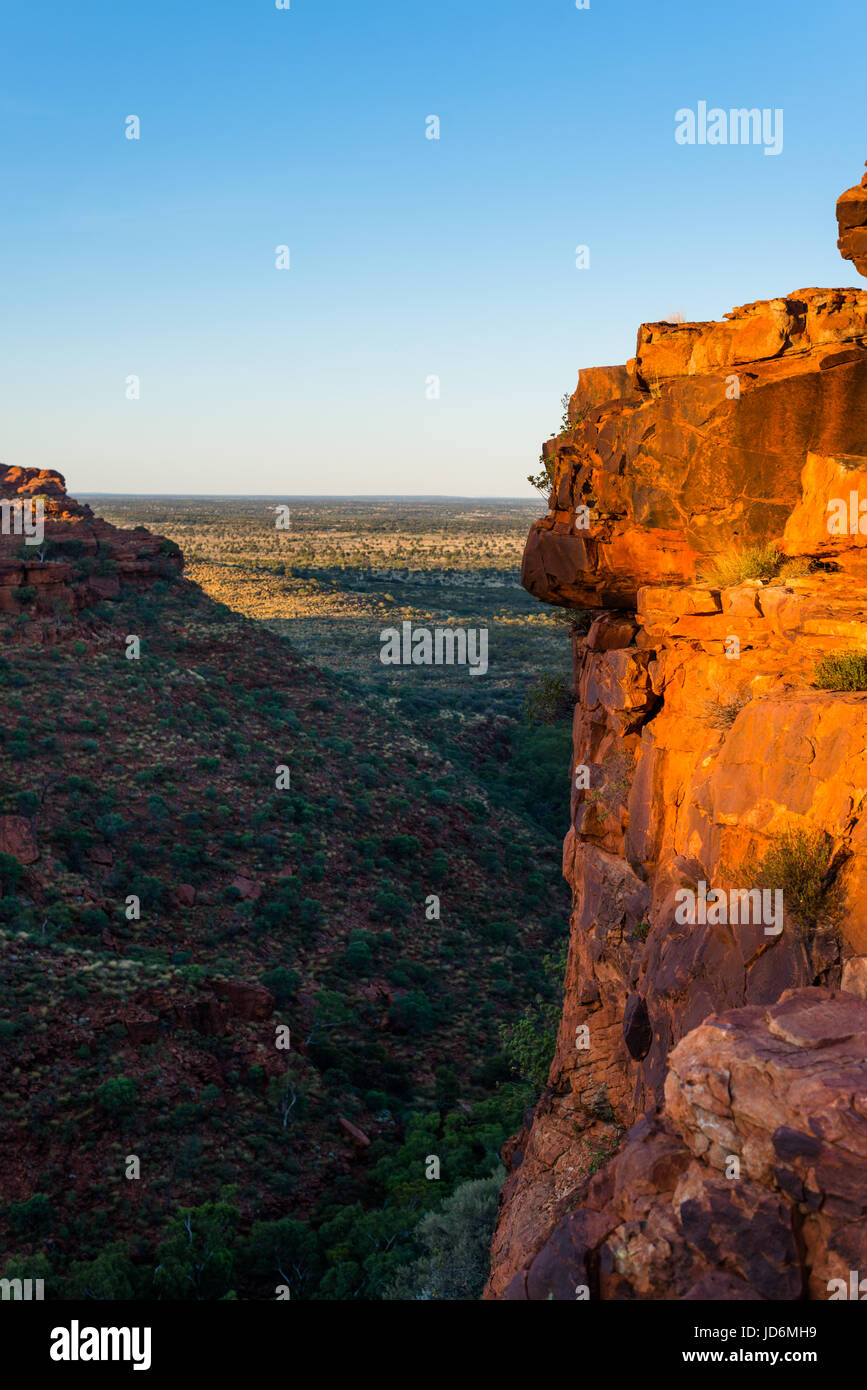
pixel 57 558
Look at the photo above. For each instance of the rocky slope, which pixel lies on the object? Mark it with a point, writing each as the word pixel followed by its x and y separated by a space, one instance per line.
pixel 708 755
pixel 174 910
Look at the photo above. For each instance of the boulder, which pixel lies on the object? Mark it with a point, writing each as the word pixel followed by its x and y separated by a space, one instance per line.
pixel 18 838
pixel 358 1137
pixel 748 1184
pixel 251 1002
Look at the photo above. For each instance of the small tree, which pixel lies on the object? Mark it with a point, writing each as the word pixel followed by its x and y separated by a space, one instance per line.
pixel 457 1242
pixel 117 1096
pixel 196 1260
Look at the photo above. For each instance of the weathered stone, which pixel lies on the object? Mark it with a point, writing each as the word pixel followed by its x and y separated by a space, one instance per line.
pixel 18 838
pixel 706 451
pixel 852 222
pixel 708 742
pixel 245 1000
pixel 358 1137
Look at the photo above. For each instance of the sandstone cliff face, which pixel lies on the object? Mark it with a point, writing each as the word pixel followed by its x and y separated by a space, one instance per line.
pixel 700 741
pixel 699 443
pixel 77 562
pixel 780 1090
pixel 852 222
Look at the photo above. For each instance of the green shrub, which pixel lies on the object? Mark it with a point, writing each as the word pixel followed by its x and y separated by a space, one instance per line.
pixel 798 863
pixel 110 1276
pixel 32 1217
pixel 358 957
pixel 117 1096
pixel 390 907
pixel 549 701
pixel 842 671
pixel 282 983
pixel 529 1042
pixel 11 873
pixel 197 1257
pixel 413 1012
pixel 543 481
pixel 402 846
pixel 456 1241
pixel 533 775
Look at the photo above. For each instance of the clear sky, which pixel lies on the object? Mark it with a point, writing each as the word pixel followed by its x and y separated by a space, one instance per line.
pixel 409 257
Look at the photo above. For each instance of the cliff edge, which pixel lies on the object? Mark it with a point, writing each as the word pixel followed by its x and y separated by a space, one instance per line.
pixel 702 1133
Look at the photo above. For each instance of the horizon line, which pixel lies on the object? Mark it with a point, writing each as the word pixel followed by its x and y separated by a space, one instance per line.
pixel 346 496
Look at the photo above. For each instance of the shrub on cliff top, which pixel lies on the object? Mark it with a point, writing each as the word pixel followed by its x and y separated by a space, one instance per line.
pixel 842 671
pixel 761 561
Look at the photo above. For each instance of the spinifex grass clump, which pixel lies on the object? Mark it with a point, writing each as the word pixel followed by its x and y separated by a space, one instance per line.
pixel 760 561
pixel 723 710
pixel 842 671
pixel 796 568
pixel 798 863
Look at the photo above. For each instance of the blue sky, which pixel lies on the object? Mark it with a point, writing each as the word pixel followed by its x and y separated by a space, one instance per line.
pixel 409 257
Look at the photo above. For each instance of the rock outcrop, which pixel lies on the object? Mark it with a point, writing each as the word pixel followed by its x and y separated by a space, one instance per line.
pixel 713 760
pixel 18 839
pixel 699 443
pixel 852 222
pixel 749 1184
pixel 57 558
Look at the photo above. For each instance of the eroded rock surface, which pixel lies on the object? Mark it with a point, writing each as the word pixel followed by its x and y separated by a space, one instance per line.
pixel 701 443
pixel 703 739
pixel 852 222
pixel 748 1185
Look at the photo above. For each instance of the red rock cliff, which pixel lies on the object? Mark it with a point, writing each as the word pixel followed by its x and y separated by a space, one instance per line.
pixel 704 1128
pixel 74 561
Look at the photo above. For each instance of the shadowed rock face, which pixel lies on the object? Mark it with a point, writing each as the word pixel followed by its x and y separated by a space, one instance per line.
pixel 697 444
pixel 852 222
pixel 772 1094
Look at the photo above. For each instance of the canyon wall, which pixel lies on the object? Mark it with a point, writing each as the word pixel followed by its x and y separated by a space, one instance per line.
pixel 704 1127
